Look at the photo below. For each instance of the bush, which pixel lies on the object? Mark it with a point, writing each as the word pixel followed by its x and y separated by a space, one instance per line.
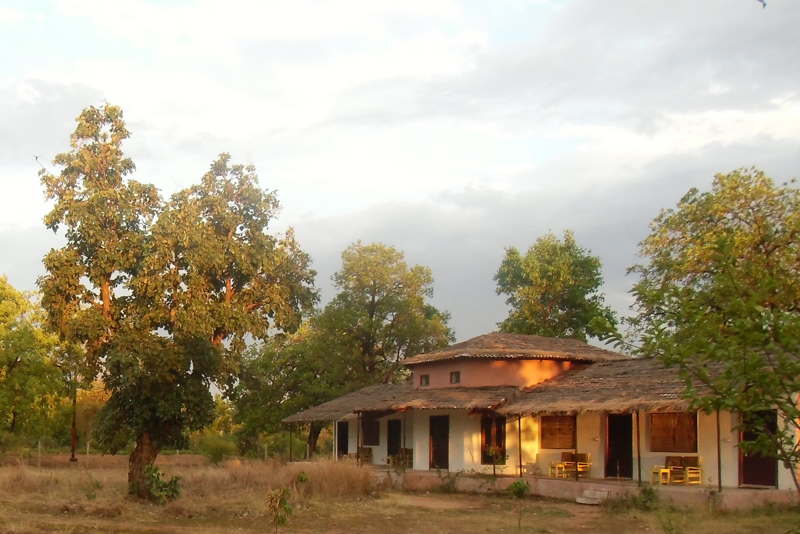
pixel 217 448
pixel 646 500
pixel 158 490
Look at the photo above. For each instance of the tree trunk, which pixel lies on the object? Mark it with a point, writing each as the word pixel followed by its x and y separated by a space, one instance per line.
pixel 74 435
pixel 313 435
pixel 142 457
pixel 13 424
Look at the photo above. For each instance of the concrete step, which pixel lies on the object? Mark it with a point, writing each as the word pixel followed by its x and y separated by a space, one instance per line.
pixel 593 497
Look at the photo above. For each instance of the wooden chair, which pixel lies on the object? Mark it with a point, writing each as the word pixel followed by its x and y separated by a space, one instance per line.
pixel 560 469
pixel 677 474
pixel 365 455
pixel 693 473
pixel 583 464
pixel 406 458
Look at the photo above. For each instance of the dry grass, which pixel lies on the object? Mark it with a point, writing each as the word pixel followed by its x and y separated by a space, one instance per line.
pixel 338 497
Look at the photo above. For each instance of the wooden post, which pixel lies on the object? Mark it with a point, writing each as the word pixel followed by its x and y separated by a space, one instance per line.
pixel 519 442
pixel 336 440
pixel 404 457
pixel 291 432
pixel 358 441
pixel 638 446
pixel 719 458
pixel 39 461
pixel 575 459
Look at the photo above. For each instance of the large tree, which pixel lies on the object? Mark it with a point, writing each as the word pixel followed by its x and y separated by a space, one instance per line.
pixel 30 383
pixel 378 318
pixel 553 290
pixel 720 298
pixel 162 295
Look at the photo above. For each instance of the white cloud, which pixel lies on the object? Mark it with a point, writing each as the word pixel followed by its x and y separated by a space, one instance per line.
pixel 10 16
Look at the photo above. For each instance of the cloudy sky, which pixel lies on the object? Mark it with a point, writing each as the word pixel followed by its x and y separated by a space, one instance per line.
pixel 448 129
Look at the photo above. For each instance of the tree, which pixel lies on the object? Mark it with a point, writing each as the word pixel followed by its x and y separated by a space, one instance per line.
pixel 720 299
pixel 162 295
pixel 29 382
pixel 378 318
pixel 553 290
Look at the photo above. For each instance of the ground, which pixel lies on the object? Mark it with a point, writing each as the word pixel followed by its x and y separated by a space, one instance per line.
pixel 337 499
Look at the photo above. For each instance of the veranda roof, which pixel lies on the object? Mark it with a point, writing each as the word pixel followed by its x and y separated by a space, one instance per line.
pixel 400 397
pixel 520 346
pixel 620 386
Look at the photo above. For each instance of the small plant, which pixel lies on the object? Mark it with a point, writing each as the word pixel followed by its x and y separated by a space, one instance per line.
pixel 646 500
pixel 278 506
pixel 158 490
pixel 90 496
pixel 449 481
pixel 302 477
pixel 519 489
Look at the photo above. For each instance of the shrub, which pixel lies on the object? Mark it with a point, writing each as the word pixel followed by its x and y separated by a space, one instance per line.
pixel 217 448
pixel 158 490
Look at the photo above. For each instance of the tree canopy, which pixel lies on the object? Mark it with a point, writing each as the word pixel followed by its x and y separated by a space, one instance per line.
pixel 29 380
pixel 378 318
pixel 162 295
pixel 720 298
pixel 553 290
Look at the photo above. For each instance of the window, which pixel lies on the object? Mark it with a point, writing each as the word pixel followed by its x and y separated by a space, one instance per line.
pixel 455 377
pixel 673 432
pixel 493 441
pixel 558 432
pixel 424 380
pixel 371 433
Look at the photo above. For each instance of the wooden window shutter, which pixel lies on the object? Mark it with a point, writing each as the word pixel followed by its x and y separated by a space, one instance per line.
pixel 673 432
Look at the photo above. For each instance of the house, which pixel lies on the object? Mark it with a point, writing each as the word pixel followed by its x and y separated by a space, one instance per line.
pixel 515 404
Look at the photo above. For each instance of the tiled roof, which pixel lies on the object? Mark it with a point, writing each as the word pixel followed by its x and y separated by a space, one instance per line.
pixel 520 346
pixel 620 386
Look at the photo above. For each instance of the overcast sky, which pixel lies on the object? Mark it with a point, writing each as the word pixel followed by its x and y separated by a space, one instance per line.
pixel 450 130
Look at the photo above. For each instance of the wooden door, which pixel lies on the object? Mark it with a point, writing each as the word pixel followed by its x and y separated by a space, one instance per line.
pixel 439 442
pixel 619 446
pixel 394 437
pixel 342 437
pixel 754 469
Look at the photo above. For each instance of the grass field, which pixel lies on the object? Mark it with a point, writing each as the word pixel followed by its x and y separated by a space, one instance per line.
pixel 338 498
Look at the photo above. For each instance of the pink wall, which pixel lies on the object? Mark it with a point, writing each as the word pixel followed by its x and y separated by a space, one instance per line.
pixel 477 372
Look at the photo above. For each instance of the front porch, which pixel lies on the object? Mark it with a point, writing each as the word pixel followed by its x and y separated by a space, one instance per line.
pixel 694 496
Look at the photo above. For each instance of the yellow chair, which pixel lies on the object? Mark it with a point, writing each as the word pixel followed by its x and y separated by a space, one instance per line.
pixel 677 473
pixel 693 473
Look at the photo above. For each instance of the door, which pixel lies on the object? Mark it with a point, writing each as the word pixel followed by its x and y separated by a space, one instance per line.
pixel 619 446
pixel 440 442
pixel 394 437
pixel 754 469
pixel 342 437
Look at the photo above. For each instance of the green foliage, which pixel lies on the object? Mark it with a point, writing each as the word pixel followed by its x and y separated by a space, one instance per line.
pixel 449 480
pixel 278 506
pixel 720 299
pixel 158 490
pixel 217 448
pixel 163 294
pixel 30 382
pixel 378 318
pixel 645 500
pixel 553 290
pixel 519 489
pixel 302 477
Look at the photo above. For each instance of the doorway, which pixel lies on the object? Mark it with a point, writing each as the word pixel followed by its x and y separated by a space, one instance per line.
pixel 394 437
pixel 439 442
pixel 342 437
pixel 619 446
pixel 755 469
